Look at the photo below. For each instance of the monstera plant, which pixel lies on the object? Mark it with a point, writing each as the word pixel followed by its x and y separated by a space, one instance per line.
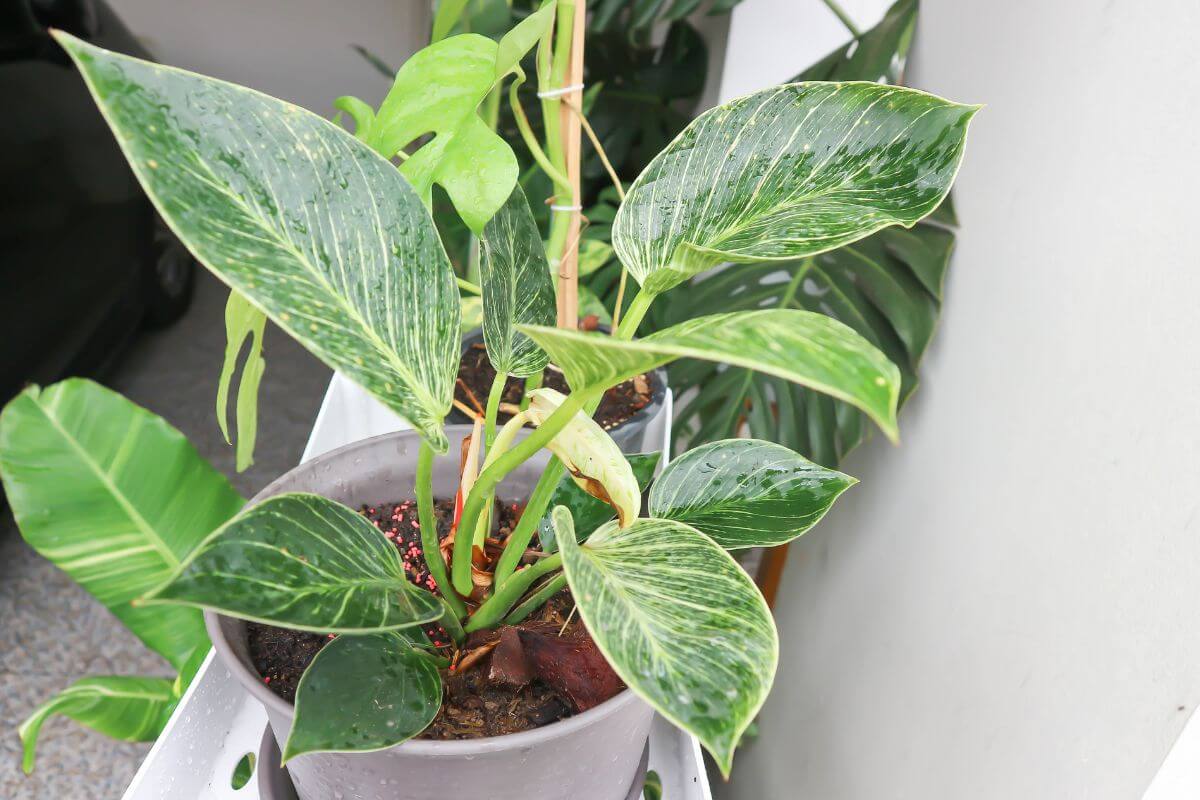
pixel 318 230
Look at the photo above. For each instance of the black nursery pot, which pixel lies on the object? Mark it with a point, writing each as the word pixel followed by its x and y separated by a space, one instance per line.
pixel 629 435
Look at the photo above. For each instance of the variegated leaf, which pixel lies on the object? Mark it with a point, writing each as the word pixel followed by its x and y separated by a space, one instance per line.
pixel 364 693
pixel 301 561
pixel 787 172
pixel 587 512
pixel 679 621
pixel 438 91
pixel 113 496
pixel 308 223
pixel 515 278
pixel 746 492
pixel 800 346
pixel 242 321
pixel 120 706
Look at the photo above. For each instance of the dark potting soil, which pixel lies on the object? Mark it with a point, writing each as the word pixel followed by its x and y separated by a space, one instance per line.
pixel 475 376
pixel 504 680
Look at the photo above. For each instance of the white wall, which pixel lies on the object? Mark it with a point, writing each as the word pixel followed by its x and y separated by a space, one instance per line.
pixel 1007 606
pixel 298 50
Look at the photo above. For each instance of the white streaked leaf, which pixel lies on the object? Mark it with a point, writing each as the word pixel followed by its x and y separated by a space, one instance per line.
pixel 306 222
pixel 800 346
pixel 515 278
pixel 786 172
pixel 120 706
pixel 242 321
pixel 113 496
pixel 301 561
pixel 746 492
pixel 679 621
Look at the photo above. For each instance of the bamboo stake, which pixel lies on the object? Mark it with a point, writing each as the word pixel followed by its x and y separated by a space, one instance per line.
pixel 568 267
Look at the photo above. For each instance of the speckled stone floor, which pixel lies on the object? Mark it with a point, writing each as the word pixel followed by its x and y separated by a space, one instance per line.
pixel 51 631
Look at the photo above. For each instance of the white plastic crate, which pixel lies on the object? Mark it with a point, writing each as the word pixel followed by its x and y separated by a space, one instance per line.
pixel 217 722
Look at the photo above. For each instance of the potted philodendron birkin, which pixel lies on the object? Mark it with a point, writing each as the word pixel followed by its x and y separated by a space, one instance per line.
pixel 424 607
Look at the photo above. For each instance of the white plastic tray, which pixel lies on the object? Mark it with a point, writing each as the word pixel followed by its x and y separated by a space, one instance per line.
pixel 217 722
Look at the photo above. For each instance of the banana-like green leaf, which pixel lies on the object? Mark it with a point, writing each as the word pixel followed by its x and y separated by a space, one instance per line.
pixel 887 287
pixel 746 492
pixel 120 706
pixel 242 321
pixel 588 512
pixel 301 561
pixel 799 346
pixel 364 693
pixel 679 621
pixel 438 91
pixel 298 216
pixel 789 172
pixel 113 496
pixel 878 54
pixel 515 278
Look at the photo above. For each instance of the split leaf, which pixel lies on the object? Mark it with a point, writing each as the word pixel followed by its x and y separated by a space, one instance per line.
pixel 746 492
pixel 300 217
pixel 800 346
pixel 115 497
pixel 787 172
pixel 679 621
pixel 363 693
pixel 301 561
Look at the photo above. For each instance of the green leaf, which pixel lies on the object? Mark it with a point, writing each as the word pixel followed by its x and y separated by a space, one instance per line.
pixel 438 91
pixel 472 312
pixel 242 321
pixel 787 172
pixel 362 114
pixel 123 707
pixel 515 278
pixel 588 512
pixel 887 287
pixel 589 303
pixel 113 496
pixel 746 492
pixel 799 346
pixel 520 40
pixel 301 561
pixel 364 693
pixel 593 254
pixel 298 216
pixel 444 19
pixel 878 55
pixel 679 621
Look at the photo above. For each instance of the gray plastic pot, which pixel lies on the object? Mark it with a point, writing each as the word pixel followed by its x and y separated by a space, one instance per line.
pixel 591 756
pixel 630 435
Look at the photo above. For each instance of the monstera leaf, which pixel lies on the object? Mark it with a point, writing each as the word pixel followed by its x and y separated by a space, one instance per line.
pixel 363 693
pixel 746 492
pixel 517 289
pixel 301 561
pixel 306 222
pixel 887 287
pixel 678 620
pixel 799 346
pixel 120 706
pixel 789 172
pixel 115 497
pixel 878 54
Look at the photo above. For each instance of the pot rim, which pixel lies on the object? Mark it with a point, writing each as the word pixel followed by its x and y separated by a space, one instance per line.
pixel 252 682
pixel 639 418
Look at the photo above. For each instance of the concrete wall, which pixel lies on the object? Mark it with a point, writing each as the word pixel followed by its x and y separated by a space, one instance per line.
pixel 298 50
pixel 1006 607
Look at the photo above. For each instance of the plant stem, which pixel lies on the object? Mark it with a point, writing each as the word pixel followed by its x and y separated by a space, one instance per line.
pixel 496 606
pixel 493 408
pixel 486 483
pixel 450 622
pixel 616 315
pixel 467 286
pixel 532 382
pixel 637 311
pixel 522 534
pixel 841 14
pixel 429 538
pixel 595 140
pixel 537 599
pixel 560 181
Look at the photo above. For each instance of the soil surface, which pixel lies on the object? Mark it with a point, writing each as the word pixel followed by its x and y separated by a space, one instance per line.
pixel 504 680
pixel 475 376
